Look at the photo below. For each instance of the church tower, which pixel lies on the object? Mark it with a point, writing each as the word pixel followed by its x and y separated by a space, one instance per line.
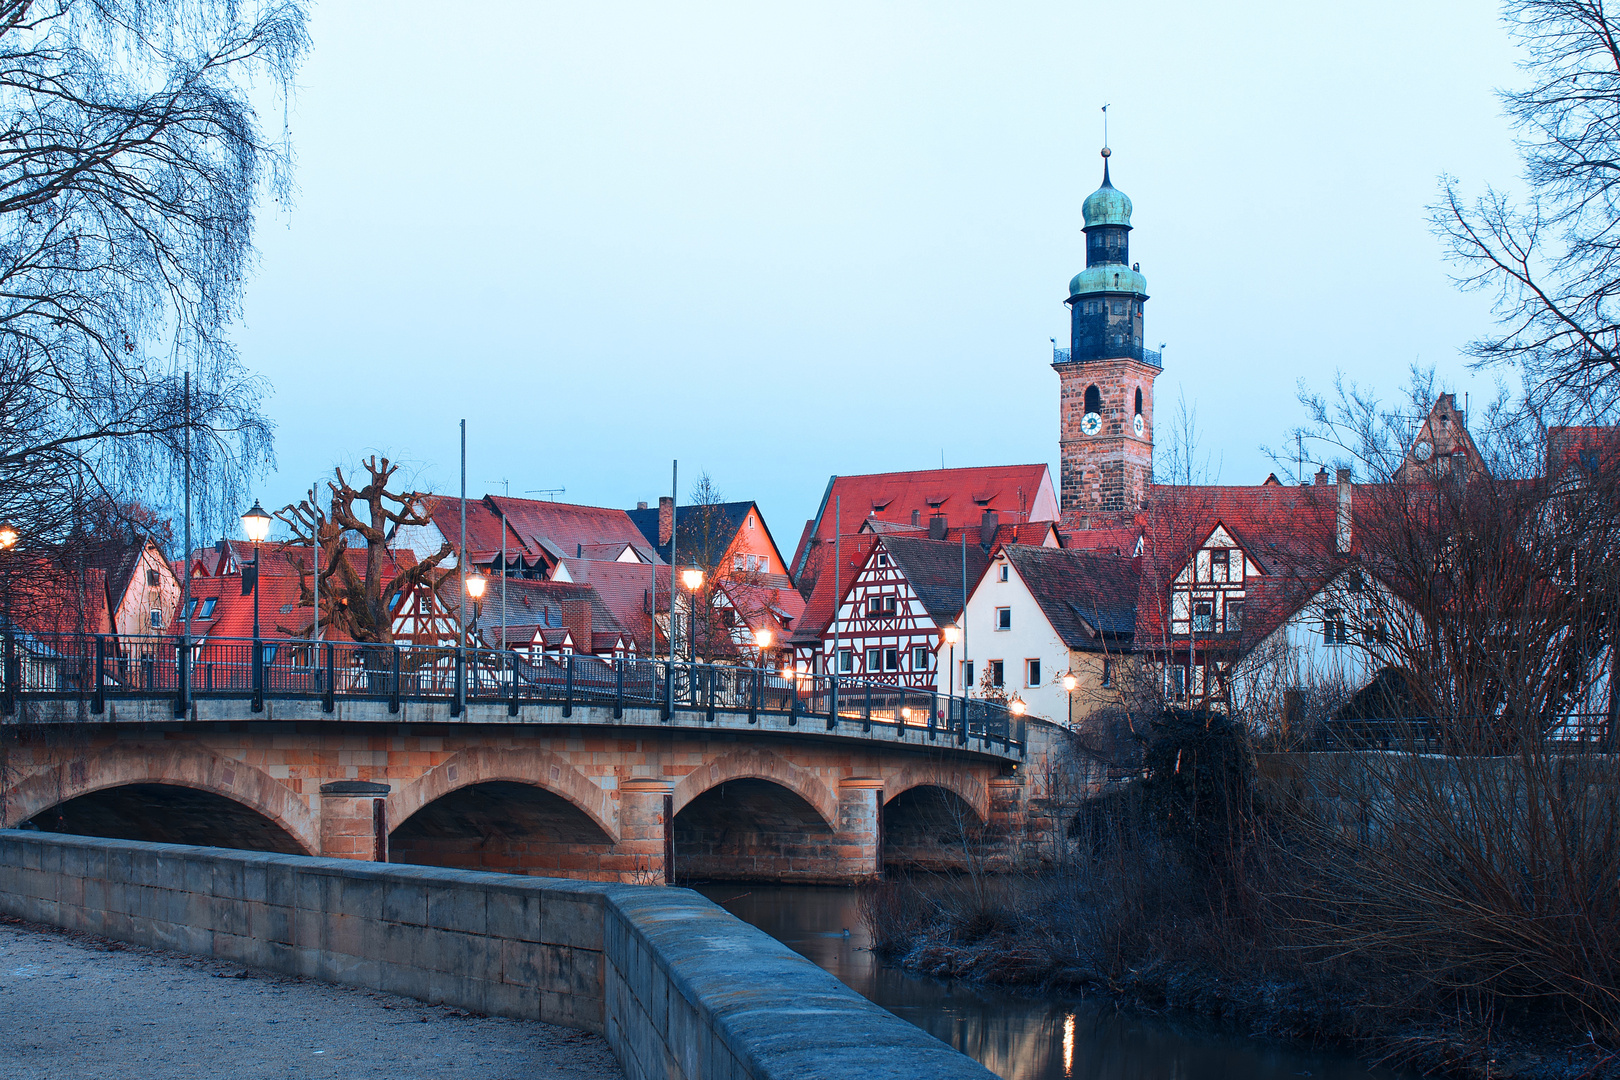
pixel 1106 376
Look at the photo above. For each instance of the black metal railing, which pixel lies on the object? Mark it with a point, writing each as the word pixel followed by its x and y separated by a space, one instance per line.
pixel 96 668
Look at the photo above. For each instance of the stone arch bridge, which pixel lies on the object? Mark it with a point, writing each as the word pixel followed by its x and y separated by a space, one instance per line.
pixel 592 792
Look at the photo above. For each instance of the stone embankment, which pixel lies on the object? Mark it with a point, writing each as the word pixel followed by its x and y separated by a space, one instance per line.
pixel 680 988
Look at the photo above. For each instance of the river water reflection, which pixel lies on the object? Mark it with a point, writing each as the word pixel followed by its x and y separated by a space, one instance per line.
pixel 1018 1037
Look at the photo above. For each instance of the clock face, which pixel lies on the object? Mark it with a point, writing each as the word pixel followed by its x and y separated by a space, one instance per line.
pixel 1422 451
pixel 1091 423
pixel 1136 424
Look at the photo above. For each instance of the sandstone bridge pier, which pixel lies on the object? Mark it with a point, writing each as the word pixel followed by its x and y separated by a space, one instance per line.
pixel 574 766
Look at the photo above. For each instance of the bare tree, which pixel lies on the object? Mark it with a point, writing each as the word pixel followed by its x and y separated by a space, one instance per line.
pixel 1553 258
pixel 353 600
pixel 130 162
pixel 733 597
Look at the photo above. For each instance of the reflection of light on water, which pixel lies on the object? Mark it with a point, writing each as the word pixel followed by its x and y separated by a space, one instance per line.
pixel 1068 1045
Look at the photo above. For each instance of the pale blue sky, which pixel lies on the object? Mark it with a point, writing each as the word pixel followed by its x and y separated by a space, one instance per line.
pixel 779 242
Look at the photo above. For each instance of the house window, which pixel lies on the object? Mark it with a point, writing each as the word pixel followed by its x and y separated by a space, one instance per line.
pixel 157 617
pixel 1353 582
pixel 1108 672
pixel 191 605
pixel 882 559
pixel 1139 401
pixel 741 562
pixel 1119 307
pixel 1178 682
pixel 967 682
pixel 1217 564
pixel 1003 618
pixel 1002 576
pixel 997 670
pixel 874 660
pixel 1333 628
pixel 426 603
pixel 750 521
pixel 874 606
pixel 207 611
pixel 920 657
pixel 1234 616
pixel 1202 620
pixel 889 604
pixel 1032 673
pixel 1093 400
pixel 152 578
pixel 891 659
pixel 846 660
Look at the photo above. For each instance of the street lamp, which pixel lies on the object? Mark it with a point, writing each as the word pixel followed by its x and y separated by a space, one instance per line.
pixel 762 640
pixel 1016 706
pixel 953 634
pixel 475 589
pixel 692 578
pixel 1070 681
pixel 256 523
pixel 8 537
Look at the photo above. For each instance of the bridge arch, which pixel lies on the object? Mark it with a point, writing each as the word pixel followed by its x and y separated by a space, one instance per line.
pixel 182 765
pixel 756 764
pixel 961 784
pixel 486 765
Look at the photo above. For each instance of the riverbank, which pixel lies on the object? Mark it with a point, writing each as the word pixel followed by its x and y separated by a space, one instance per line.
pixel 990 933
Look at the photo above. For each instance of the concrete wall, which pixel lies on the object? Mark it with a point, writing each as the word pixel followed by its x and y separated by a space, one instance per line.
pixel 679 987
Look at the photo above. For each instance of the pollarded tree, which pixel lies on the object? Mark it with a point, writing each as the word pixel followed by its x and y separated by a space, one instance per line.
pixel 130 162
pixel 355 598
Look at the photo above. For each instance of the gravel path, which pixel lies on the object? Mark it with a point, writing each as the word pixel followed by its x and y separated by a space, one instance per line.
pixel 74 1006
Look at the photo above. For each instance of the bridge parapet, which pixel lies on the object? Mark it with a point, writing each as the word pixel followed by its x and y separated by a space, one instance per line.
pixel 99 679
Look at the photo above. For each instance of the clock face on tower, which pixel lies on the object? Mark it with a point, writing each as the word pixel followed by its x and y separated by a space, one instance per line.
pixel 1136 425
pixel 1091 423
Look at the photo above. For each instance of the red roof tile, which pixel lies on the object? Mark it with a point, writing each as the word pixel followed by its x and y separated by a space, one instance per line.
pixel 1016 492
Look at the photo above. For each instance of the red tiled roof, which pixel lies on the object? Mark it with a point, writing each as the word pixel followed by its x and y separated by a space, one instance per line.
pixel 830 587
pixel 1589 446
pixel 962 495
pixel 565 525
pixel 624 589
pixel 46 598
pixel 1288 531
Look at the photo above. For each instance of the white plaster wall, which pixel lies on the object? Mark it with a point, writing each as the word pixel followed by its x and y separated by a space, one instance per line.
pixel 1031 636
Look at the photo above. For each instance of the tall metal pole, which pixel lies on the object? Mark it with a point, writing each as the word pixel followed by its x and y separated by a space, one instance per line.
pixel 674 519
pixel 967 686
pixel 461 556
pixel 315 542
pixel 185 599
pixel 506 488
pixel 838 570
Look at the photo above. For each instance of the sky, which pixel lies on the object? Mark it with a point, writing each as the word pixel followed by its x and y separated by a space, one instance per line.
pixel 781 242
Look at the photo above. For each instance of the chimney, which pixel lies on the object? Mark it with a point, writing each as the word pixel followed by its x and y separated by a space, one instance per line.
pixel 1342 518
pixel 916 518
pixel 666 519
pixel 1321 476
pixel 987 528
pixel 936 527
pixel 642 505
pixel 576 616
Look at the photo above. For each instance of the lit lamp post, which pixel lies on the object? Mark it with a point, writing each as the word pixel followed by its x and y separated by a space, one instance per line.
pixel 693 580
pixel 475 589
pixel 1069 683
pixel 8 537
pixel 762 640
pixel 953 634
pixel 1016 706
pixel 256 524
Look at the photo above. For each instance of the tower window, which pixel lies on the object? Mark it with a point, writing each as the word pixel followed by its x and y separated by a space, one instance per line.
pixel 1139 401
pixel 1093 399
pixel 1119 308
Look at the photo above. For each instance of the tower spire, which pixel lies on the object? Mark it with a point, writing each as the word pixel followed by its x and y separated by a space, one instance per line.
pixel 1106 153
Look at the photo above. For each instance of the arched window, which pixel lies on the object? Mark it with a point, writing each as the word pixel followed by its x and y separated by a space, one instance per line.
pixel 1093 399
pixel 1138 401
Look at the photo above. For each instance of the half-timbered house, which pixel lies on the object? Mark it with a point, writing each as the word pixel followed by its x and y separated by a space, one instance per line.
pixel 887 625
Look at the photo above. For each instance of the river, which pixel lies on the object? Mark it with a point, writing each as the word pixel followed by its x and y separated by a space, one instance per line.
pixel 1016 1036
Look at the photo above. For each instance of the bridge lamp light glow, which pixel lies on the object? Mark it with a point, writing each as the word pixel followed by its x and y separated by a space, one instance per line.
pixel 953 634
pixel 1016 706
pixel 905 713
pixel 762 637
pixel 256 523
pixel 8 535
pixel 692 579
pixel 476 585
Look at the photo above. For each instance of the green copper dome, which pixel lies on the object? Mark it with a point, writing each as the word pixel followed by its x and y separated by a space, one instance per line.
pixel 1108 278
pixel 1107 205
